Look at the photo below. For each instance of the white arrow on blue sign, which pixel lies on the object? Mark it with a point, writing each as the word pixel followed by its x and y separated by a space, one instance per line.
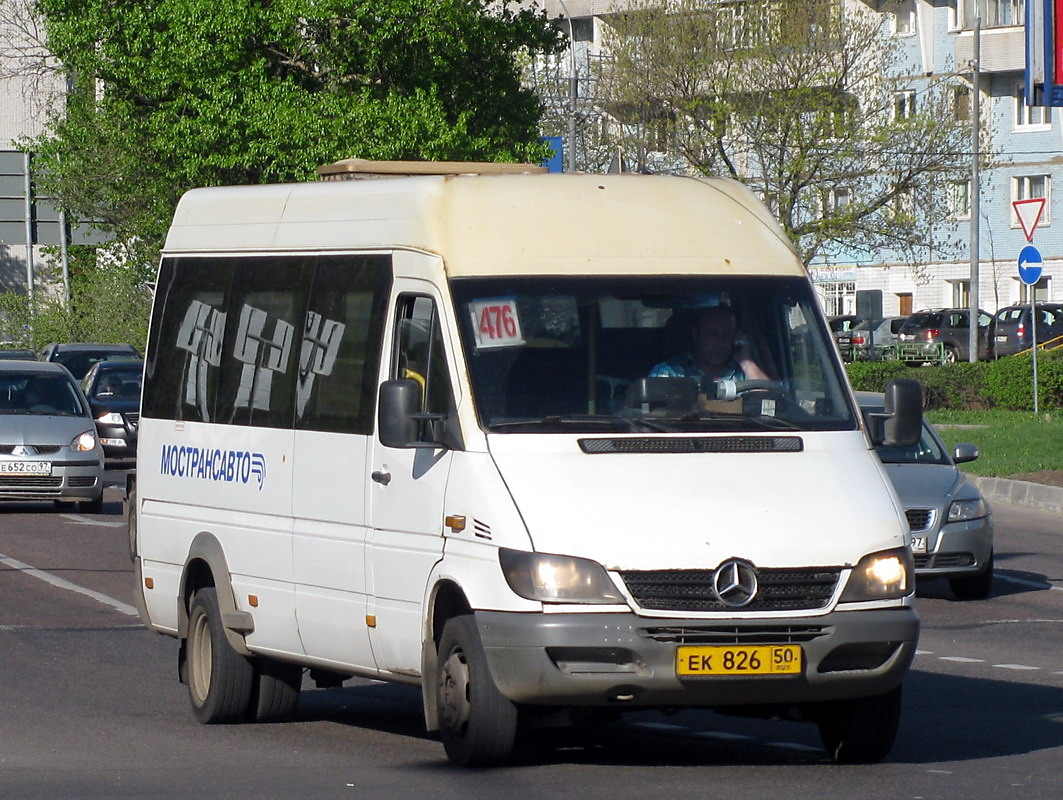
pixel 1030 265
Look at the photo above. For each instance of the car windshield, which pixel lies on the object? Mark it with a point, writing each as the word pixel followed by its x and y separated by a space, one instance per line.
pixel 79 362
pixel 612 354
pixel 39 394
pixel 115 384
pixel 926 451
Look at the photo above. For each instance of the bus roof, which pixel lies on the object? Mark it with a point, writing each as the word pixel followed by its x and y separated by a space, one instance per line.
pixel 501 224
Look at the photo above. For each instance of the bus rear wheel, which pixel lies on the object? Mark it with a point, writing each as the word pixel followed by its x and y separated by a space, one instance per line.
pixel 220 679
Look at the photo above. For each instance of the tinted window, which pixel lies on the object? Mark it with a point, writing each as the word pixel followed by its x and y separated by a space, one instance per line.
pixel 339 357
pixel 266 310
pixel 269 341
pixel 186 338
pixel 923 320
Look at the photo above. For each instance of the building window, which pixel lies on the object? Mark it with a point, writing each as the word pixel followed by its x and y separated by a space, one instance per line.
pixel 993 13
pixel 1028 187
pixel 904 104
pixel 839 298
pixel 836 200
pixel 583 29
pixel 961 103
pixel 903 17
pixel 1040 291
pixel 960 199
pixel 903 207
pixel 1029 116
pixel 961 293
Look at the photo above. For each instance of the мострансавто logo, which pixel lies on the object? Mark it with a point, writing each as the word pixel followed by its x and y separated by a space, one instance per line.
pixel 213 464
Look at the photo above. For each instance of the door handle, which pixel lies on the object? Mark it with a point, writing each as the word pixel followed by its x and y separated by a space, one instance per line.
pixel 383 478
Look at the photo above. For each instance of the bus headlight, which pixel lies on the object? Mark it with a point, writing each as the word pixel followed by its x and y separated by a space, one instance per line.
pixel 881 576
pixel 557 579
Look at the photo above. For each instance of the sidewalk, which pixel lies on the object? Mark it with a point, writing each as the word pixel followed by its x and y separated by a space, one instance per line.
pixel 1022 493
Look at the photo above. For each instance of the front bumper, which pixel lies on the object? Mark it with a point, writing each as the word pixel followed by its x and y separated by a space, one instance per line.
pixel 69 481
pixel 622 660
pixel 959 549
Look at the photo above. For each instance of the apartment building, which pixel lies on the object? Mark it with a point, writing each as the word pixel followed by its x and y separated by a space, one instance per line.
pixel 1022 150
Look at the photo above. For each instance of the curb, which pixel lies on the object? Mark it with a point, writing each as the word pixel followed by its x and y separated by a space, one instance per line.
pixel 1020 493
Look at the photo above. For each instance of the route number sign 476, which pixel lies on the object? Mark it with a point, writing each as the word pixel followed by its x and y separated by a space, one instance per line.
pixel 496 322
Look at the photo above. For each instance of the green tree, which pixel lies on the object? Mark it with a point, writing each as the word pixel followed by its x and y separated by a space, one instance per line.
pixel 169 94
pixel 801 99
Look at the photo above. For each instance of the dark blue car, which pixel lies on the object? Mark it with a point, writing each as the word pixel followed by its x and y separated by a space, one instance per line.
pixel 113 390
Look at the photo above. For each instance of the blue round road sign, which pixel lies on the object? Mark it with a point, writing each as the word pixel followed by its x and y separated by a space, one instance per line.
pixel 1030 265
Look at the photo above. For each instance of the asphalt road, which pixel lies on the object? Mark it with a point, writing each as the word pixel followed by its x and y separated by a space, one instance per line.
pixel 90 705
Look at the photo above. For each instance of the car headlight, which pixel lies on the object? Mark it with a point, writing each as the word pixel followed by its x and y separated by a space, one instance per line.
pixel 84 442
pixel 110 418
pixel 881 576
pixel 967 509
pixel 557 579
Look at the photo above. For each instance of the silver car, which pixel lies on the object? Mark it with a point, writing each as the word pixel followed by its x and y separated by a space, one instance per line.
pixel 48 444
pixel 951 523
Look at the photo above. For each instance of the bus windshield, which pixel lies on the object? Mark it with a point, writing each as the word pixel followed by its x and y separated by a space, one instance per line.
pixel 660 354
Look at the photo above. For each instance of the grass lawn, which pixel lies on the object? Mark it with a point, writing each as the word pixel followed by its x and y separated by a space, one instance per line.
pixel 1011 442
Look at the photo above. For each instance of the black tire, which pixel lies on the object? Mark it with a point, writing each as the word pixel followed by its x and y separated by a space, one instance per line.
pixel 950 356
pixel 860 731
pixel 219 679
pixel 131 524
pixel 275 691
pixel 974 587
pixel 478 725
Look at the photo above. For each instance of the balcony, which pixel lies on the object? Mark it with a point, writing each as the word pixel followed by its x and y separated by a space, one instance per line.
pixel 1003 50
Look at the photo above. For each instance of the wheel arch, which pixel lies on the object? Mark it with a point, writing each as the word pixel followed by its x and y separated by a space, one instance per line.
pixel 447 600
pixel 206 565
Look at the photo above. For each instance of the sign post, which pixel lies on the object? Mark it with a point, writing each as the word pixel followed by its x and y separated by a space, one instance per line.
pixel 1030 267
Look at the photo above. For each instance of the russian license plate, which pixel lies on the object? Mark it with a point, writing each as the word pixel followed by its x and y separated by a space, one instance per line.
pixel 918 544
pixel 25 467
pixel 773 659
pixel 1002 338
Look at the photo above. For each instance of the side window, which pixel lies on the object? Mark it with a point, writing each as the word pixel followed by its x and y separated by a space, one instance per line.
pixel 268 341
pixel 339 355
pixel 420 354
pixel 187 333
pixel 267 307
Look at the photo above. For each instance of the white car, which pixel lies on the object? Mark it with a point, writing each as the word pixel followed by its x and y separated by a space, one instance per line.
pixel 951 523
pixel 48 444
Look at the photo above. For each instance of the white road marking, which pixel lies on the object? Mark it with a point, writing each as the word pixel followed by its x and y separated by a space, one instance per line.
pixel 962 660
pixel 77 519
pixel 1015 666
pixel 61 583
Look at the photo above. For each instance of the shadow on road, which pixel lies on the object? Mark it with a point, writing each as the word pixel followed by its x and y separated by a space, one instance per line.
pixel 947 719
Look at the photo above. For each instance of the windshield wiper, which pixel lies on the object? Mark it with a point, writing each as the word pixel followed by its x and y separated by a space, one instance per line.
pixel 568 421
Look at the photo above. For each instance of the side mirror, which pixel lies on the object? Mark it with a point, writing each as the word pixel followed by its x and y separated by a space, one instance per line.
pixel 965 452
pixel 903 423
pixel 397 412
pixel 400 422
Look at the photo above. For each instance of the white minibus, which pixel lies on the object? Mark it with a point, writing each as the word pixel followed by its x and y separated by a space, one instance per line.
pixel 471 427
